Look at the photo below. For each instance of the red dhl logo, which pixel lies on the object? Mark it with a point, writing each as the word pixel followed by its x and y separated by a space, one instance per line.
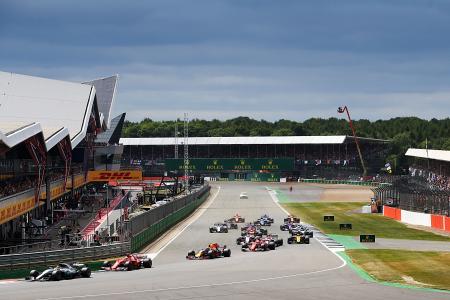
pixel 115 176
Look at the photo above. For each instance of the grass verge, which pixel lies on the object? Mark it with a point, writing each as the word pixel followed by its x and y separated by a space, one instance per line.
pixel 420 268
pixel 344 212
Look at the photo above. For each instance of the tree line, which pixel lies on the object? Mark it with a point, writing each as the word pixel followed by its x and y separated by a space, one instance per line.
pixel 404 132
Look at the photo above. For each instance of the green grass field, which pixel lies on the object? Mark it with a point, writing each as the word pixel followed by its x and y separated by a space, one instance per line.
pixel 420 268
pixel 362 223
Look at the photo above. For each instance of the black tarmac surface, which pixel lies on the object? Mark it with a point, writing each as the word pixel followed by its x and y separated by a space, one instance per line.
pixel 290 272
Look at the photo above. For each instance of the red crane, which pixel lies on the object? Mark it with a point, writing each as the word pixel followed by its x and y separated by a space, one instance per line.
pixel 345 109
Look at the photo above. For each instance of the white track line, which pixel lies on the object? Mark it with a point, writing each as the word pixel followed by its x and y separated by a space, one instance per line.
pixel 153 255
pixel 275 199
pixel 197 286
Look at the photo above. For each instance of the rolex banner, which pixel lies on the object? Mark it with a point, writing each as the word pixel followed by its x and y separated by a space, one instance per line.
pixel 231 164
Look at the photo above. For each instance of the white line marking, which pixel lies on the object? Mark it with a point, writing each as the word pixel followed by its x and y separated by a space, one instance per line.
pixel 198 286
pixel 153 255
pixel 275 199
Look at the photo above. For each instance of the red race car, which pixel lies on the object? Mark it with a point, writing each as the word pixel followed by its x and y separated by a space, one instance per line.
pixel 259 244
pixel 235 219
pixel 212 251
pixel 128 263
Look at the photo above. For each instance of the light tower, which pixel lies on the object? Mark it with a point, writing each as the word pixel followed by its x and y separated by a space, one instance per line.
pixel 176 140
pixel 186 153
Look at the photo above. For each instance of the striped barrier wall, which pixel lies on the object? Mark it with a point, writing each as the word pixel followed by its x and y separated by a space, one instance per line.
pixel 417 218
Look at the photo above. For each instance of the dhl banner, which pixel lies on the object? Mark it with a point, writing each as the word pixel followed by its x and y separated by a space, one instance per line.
pixel 21 206
pixel 114 175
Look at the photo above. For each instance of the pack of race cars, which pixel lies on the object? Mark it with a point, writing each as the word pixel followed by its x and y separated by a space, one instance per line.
pixel 255 235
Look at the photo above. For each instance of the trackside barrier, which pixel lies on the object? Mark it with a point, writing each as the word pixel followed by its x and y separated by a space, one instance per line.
pixel 35 259
pixel 417 218
pixel 153 231
pixel 351 182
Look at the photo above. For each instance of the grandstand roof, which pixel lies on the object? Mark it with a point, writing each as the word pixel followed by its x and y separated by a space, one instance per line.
pixel 31 105
pixel 112 134
pixel 429 154
pixel 239 140
pixel 105 90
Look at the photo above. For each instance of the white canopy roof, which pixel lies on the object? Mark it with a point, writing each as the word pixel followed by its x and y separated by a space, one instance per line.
pixel 240 140
pixel 430 154
pixel 105 90
pixel 29 105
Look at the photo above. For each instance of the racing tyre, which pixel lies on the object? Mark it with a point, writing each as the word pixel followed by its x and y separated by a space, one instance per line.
pixel 271 246
pixel 106 264
pixel 34 274
pixel 85 272
pixel 211 230
pixel 306 241
pixel 226 253
pixel 128 266
pixel 289 241
pixel 147 263
pixel 56 275
pixel 225 230
pixel 191 253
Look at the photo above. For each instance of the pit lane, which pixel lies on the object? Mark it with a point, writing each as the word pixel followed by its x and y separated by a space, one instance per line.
pixel 311 271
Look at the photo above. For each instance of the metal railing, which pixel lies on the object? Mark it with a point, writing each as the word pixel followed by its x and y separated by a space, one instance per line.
pixel 46 258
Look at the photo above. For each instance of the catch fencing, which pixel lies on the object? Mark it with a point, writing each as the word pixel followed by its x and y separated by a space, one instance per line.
pixel 413 194
pixel 46 258
pixel 149 225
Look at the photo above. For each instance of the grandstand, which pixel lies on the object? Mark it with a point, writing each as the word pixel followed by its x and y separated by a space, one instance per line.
pixel 426 189
pixel 52 133
pixel 331 157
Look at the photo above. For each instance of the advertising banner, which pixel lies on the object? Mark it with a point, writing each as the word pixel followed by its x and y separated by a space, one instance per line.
pixel 231 164
pixel 114 175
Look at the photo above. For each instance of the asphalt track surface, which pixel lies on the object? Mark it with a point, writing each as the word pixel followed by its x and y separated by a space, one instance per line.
pixel 290 272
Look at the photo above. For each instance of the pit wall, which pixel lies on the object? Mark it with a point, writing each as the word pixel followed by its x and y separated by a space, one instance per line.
pixel 150 233
pixel 417 218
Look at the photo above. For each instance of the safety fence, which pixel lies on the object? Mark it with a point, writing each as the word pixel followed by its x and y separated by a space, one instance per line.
pixel 181 208
pixel 46 258
pixel 410 194
pixel 351 182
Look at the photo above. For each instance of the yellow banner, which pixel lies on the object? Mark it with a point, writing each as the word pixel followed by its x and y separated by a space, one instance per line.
pixel 114 175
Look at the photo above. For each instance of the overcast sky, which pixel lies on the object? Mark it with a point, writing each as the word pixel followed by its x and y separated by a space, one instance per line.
pixel 221 59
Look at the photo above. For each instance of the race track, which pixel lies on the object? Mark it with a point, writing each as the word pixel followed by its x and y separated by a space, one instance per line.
pixel 290 272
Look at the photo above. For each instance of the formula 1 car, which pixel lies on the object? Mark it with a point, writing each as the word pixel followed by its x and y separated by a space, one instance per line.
pixel 128 263
pixel 291 219
pixel 245 239
pixel 61 271
pixel 218 228
pixel 302 229
pixel 251 229
pixel 212 251
pixel 276 239
pixel 298 238
pixel 264 221
pixel 259 244
pixel 287 226
pixel 243 195
pixel 235 219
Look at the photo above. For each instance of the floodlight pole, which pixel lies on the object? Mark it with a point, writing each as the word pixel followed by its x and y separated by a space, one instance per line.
pixel 176 140
pixel 345 109
pixel 186 153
